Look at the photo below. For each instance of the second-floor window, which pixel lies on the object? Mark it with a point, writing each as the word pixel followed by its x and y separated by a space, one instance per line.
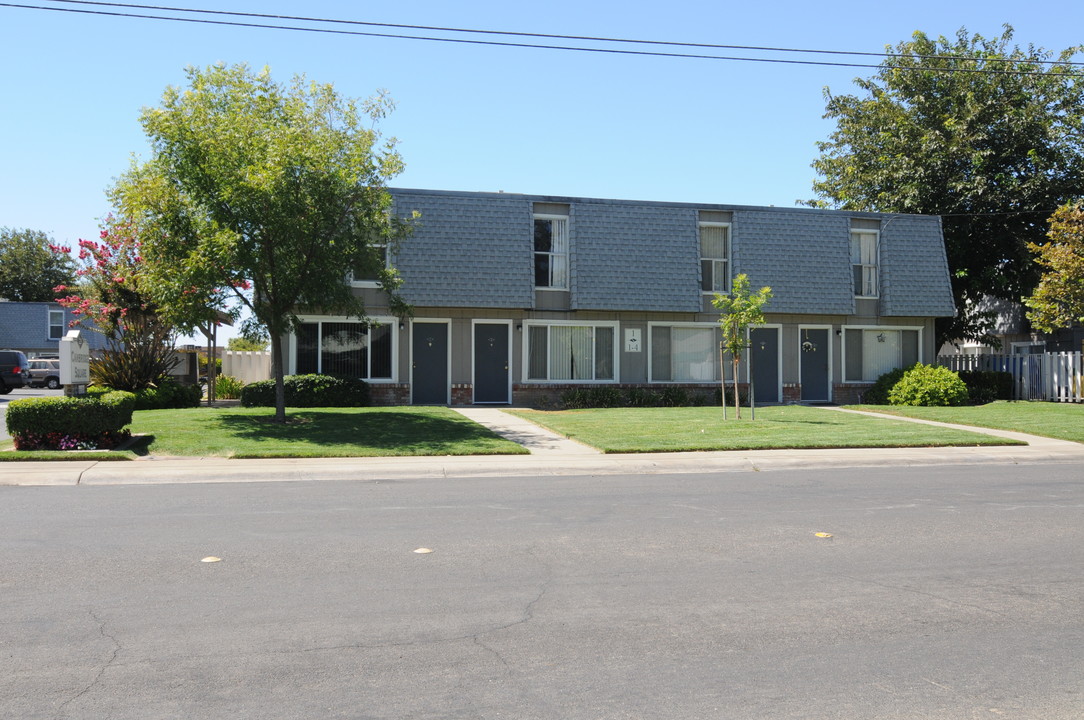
pixel 714 257
pixel 368 273
pixel 864 262
pixel 551 252
pixel 56 324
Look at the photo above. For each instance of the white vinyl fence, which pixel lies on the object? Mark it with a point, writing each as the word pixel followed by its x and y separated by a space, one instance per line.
pixel 1048 376
pixel 247 366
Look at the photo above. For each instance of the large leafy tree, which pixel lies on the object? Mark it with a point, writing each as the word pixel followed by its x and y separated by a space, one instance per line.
pixel 1058 300
pixel 29 267
pixel 273 193
pixel 988 135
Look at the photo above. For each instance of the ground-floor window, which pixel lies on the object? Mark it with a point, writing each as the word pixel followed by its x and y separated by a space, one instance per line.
pixel 349 349
pixel 871 352
pixel 684 353
pixel 570 352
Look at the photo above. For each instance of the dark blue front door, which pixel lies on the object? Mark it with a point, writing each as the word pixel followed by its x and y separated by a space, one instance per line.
pixel 764 360
pixel 429 372
pixel 491 363
pixel 814 353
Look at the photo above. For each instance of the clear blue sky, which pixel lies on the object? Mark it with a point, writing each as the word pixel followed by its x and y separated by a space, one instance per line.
pixel 478 117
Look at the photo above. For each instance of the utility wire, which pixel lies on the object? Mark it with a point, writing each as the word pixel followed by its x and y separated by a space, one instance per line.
pixel 554 36
pixel 613 51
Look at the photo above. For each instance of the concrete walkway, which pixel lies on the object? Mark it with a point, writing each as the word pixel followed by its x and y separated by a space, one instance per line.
pixel 549 461
pixel 537 439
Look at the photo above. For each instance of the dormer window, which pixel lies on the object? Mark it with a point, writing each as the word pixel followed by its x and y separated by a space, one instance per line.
pixel 551 252
pixel 367 274
pixel 714 257
pixel 864 262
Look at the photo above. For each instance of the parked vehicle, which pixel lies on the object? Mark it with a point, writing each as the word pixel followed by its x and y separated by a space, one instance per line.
pixel 13 371
pixel 44 373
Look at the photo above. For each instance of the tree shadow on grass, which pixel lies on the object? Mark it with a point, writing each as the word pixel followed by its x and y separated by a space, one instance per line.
pixel 139 445
pixel 383 433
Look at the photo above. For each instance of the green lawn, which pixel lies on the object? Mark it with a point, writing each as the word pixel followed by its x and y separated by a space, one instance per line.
pixel 621 430
pixel 1064 421
pixel 311 432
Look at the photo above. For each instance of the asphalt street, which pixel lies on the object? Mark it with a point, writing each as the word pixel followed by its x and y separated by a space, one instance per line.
pixel 932 592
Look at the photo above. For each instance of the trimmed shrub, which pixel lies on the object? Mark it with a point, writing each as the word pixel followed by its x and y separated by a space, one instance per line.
pixel 96 391
pixel 638 397
pixel 986 386
pixel 929 385
pixel 717 397
pixel 671 396
pixel 227 387
pixel 71 423
pixel 575 399
pixel 309 391
pixel 167 394
pixel 877 394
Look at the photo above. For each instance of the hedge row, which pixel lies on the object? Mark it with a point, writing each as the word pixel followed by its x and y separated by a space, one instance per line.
pixel 70 423
pixel 309 391
pixel 604 396
pixel 168 394
pixel 986 386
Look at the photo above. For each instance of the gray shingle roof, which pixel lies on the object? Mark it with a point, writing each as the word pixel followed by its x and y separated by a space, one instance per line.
pixel 634 257
pixel 914 272
pixel 476 250
pixel 804 257
pixel 467 251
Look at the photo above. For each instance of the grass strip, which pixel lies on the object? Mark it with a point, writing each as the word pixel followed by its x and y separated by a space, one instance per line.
pixel 1064 421
pixel 310 432
pixel 633 430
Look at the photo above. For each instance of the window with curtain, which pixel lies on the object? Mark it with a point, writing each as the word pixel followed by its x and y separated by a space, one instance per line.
pixel 880 352
pixel 694 354
pixel 714 257
pixel 872 352
pixel 551 252
pixel 56 324
pixel 349 349
pixel 864 262
pixel 570 352
pixel 684 354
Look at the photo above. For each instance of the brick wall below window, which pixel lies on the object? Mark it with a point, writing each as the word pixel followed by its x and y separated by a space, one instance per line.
pixel 386 394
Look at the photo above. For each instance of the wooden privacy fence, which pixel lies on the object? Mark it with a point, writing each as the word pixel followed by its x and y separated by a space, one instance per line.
pixel 1047 376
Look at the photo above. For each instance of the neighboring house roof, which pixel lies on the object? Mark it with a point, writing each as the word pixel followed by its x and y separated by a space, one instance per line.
pixel 475 250
pixel 25 326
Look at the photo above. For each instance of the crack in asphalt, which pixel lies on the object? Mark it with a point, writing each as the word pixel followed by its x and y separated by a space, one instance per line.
pixel 101 671
pixel 935 596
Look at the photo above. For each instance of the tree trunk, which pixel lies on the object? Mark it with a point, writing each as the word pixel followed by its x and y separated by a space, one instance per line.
pixel 277 371
pixel 737 400
pixel 722 381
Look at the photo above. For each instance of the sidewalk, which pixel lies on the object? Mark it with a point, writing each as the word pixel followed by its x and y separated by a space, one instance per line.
pixel 552 455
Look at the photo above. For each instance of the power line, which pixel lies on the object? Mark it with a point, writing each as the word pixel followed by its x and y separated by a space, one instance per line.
pixel 613 51
pixel 512 33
